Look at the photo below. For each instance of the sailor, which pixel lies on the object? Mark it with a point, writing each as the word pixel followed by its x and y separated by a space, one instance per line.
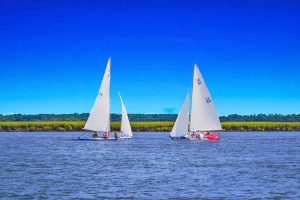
pixel 206 134
pixel 116 135
pixel 198 135
pixel 95 135
pixel 193 135
pixel 201 135
pixel 106 135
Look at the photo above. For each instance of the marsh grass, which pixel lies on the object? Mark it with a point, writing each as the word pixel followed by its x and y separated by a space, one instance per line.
pixel 59 126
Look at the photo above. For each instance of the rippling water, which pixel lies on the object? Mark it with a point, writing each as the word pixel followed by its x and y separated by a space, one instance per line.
pixel 150 166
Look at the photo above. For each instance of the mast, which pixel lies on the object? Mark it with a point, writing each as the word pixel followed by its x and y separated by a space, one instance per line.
pixel 190 116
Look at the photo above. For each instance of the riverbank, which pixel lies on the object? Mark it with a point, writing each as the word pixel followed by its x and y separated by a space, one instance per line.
pixel 63 126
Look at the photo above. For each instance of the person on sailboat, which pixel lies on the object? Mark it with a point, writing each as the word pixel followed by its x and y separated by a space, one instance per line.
pixel 206 134
pixel 105 135
pixel 95 135
pixel 192 135
pixel 200 135
pixel 116 135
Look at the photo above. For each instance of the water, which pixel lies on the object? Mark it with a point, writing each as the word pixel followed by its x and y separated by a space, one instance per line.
pixel 150 166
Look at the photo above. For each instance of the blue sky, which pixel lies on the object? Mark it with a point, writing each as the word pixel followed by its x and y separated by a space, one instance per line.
pixel 53 54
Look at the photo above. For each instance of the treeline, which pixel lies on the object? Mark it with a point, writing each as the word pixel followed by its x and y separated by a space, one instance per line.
pixel 149 117
pixel 84 116
pixel 261 118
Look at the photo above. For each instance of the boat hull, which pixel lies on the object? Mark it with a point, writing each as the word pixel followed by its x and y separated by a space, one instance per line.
pixel 212 136
pixel 182 137
pixel 104 139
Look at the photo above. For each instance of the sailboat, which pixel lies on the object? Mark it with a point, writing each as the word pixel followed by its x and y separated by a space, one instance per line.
pixel 203 118
pixel 99 118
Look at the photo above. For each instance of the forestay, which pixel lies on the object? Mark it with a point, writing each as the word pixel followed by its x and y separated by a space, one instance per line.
pixel 125 125
pixel 203 112
pixel 180 128
pixel 99 118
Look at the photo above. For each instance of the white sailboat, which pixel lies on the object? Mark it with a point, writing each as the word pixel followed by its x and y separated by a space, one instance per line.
pixel 204 116
pixel 99 118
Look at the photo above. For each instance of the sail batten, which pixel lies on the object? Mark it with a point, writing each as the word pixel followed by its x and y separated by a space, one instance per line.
pixel 125 125
pixel 204 116
pixel 180 128
pixel 99 118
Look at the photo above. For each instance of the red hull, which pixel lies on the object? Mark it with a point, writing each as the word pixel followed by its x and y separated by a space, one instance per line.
pixel 212 136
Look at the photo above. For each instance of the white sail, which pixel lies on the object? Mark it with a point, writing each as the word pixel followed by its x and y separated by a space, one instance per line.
pixel 125 125
pixel 203 112
pixel 180 128
pixel 99 119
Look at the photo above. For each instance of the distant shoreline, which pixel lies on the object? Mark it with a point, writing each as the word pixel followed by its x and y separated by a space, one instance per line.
pixel 76 126
pixel 147 117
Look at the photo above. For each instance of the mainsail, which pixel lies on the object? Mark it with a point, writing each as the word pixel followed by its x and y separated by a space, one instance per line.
pixel 180 127
pixel 125 125
pixel 204 116
pixel 99 119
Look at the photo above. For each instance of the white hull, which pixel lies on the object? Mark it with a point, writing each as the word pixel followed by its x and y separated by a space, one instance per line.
pixel 201 139
pixel 182 137
pixel 103 139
